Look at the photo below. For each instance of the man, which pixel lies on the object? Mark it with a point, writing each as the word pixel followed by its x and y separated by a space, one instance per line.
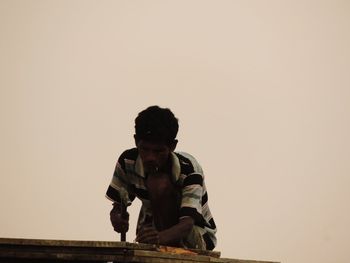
pixel 170 185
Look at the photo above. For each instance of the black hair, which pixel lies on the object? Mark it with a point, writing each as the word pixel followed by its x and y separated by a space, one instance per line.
pixel 156 124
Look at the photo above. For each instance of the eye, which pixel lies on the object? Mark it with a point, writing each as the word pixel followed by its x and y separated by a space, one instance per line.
pixel 160 150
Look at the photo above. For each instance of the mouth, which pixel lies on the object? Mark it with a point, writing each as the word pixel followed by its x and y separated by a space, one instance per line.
pixel 151 168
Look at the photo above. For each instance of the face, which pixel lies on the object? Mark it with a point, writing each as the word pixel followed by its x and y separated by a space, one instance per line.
pixel 154 155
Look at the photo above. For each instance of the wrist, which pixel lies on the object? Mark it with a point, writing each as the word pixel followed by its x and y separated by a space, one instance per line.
pixel 161 238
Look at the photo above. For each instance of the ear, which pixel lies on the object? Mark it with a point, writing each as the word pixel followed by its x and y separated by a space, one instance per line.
pixel 173 145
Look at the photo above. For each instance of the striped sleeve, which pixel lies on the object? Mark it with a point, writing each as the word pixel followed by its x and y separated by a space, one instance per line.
pixel 195 198
pixel 118 188
pixel 192 192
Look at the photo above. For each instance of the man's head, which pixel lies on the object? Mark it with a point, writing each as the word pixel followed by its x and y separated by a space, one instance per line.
pixel 155 136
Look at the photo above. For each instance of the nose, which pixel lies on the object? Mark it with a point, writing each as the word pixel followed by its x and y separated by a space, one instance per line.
pixel 150 157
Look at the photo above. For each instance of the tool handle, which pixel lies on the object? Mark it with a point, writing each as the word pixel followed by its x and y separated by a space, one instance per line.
pixel 124 215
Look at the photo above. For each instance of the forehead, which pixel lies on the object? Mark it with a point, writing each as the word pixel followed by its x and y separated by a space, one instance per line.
pixel 152 145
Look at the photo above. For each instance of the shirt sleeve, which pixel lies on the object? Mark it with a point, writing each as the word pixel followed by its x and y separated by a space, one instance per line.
pixel 192 192
pixel 119 190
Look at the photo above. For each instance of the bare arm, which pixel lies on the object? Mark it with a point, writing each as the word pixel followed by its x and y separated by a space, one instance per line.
pixel 177 232
pixel 168 236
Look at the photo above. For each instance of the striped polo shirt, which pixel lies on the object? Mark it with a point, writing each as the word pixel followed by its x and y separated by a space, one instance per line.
pixel 129 181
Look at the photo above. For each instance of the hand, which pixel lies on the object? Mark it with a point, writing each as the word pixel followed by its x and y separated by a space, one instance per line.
pixel 148 235
pixel 120 224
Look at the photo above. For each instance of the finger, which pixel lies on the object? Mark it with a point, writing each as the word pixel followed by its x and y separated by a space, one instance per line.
pixel 153 239
pixel 121 228
pixel 117 219
pixel 147 230
pixel 147 235
pixel 141 235
pixel 149 239
pixel 120 225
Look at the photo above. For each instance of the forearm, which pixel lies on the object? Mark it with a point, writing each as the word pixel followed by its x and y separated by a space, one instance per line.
pixel 176 232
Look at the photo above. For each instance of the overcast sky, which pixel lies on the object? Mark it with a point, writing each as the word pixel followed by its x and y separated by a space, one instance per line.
pixel 261 90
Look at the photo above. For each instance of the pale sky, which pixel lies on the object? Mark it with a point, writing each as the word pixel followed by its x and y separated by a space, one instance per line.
pixel 261 89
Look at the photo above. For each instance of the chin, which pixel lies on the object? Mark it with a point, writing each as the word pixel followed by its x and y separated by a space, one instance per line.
pixel 152 169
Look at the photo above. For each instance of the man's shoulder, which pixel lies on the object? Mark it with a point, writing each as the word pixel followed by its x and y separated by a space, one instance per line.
pixel 188 162
pixel 184 155
pixel 129 154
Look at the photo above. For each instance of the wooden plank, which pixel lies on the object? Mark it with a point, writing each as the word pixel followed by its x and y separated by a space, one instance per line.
pixel 95 244
pixel 76 243
pixel 45 250
pixel 64 250
pixel 231 260
pixel 170 256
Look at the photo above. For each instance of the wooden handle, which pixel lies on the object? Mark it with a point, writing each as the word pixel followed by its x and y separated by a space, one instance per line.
pixel 123 214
